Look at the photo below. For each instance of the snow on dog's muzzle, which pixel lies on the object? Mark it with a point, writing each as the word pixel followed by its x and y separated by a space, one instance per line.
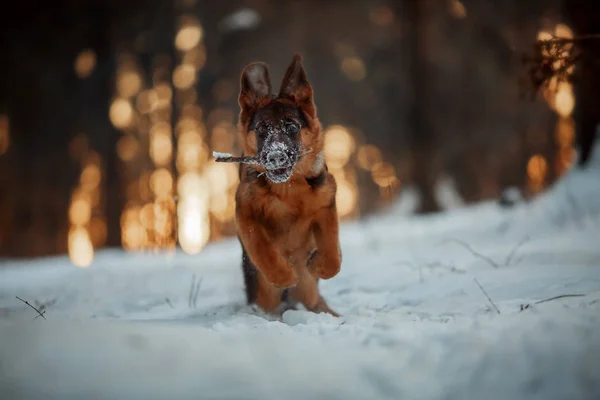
pixel 279 160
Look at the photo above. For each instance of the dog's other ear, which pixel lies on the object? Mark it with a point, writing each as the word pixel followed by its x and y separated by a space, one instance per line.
pixel 255 85
pixel 296 86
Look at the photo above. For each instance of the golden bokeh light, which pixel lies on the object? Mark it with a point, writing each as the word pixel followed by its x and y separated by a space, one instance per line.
pixel 381 15
pixel 544 35
pixel 80 211
pixel 85 62
pixel 223 137
pixel 368 156
pixel 195 57
pixel 346 198
pixel 4 133
pixel 339 146
pixel 90 177
pixel 222 206
pixel 134 236
pixel 186 96
pixel 184 76
pixel 188 37
pixel 85 202
pixel 217 177
pixel 193 223
pixel 81 250
pixel 563 31
pixel 129 83
pixel 565 132
pixel 384 174
pixel 147 101
pixel 354 68
pixel 164 94
pixel 564 102
pixel 192 111
pixel 193 153
pixel 161 182
pixel 161 146
pixel 186 124
pixel 121 113
pixel 162 226
pixel 457 9
pixel 127 148
pixel 133 233
pixel 537 169
pixel 190 184
pixel 147 215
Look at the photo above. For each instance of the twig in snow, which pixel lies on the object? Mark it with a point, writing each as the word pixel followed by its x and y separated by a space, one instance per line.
pixel 486 295
pixel 40 314
pixel 191 295
pixel 168 301
pixel 197 291
pixel 475 253
pixel 194 289
pixel 514 250
pixel 562 296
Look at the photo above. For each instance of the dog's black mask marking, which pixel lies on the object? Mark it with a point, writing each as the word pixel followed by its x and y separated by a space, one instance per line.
pixel 277 128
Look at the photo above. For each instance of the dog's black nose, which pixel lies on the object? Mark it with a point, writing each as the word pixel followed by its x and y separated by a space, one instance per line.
pixel 277 159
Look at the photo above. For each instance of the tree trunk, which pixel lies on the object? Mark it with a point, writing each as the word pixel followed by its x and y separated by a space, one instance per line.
pixel 584 17
pixel 421 136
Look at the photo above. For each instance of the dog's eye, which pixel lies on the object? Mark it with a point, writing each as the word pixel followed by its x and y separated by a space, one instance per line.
pixel 292 128
pixel 261 129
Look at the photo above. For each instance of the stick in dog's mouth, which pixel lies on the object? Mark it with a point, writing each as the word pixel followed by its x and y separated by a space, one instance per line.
pixel 226 157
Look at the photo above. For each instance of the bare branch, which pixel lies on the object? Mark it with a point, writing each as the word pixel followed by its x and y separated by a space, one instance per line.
pixel 40 314
pixel 560 297
pixel 225 157
pixel 553 60
pixel 486 295
pixel 475 253
pixel 573 40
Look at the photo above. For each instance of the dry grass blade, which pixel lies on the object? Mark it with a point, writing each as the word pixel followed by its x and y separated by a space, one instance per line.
pixel 486 295
pixel 475 253
pixel 40 314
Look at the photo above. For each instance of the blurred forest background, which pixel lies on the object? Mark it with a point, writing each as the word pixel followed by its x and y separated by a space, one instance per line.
pixel 109 110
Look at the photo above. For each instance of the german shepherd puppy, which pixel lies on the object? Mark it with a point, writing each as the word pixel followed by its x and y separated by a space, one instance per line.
pixel 286 213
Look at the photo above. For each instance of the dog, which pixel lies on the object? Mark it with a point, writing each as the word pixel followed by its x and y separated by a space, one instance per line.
pixel 286 217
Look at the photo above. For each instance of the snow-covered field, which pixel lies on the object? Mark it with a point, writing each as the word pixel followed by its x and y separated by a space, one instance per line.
pixel 415 324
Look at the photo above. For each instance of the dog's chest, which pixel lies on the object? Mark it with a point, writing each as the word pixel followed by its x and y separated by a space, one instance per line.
pixel 289 217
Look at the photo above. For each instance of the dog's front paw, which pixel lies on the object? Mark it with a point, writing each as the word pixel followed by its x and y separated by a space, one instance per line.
pixel 285 278
pixel 323 267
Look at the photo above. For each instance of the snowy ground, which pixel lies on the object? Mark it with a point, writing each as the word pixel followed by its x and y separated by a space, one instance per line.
pixel 415 323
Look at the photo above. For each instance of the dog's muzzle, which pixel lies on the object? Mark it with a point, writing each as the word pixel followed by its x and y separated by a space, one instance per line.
pixel 279 161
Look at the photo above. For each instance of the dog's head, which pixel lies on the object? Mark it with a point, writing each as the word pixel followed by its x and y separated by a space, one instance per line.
pixel 281 130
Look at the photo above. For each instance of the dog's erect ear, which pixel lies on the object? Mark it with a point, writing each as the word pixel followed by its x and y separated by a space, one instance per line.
pixel 296 86
pixel 254 86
